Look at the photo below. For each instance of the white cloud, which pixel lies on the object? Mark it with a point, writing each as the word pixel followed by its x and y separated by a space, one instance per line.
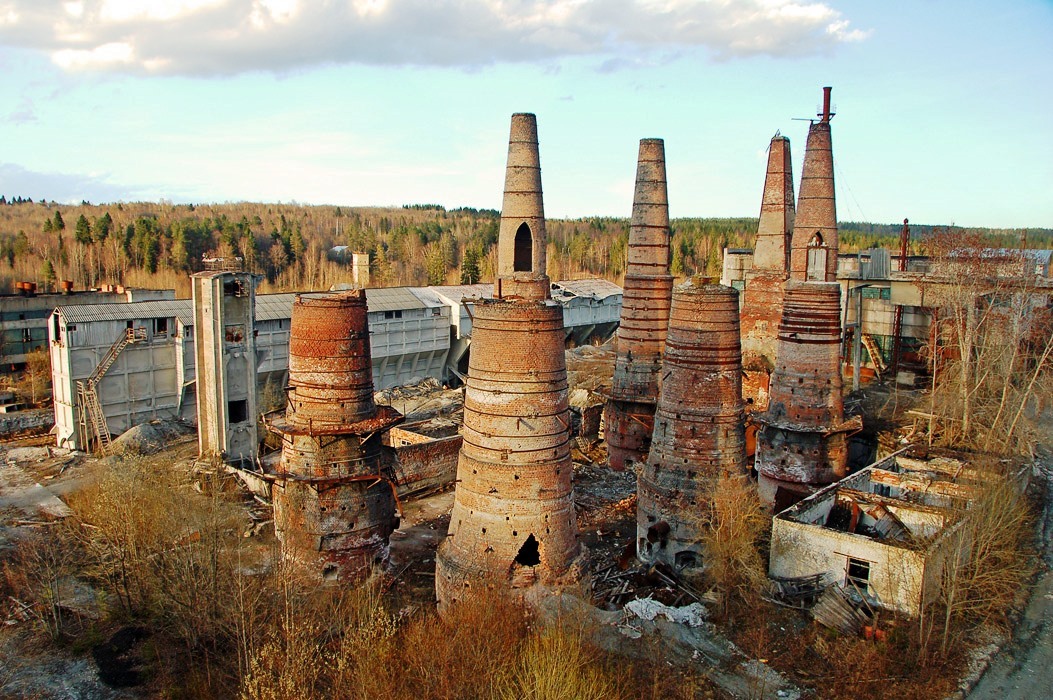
pixel 232 36
pixel 105 56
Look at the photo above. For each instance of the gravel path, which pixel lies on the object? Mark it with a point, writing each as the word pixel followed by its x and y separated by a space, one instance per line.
pixel 1024 669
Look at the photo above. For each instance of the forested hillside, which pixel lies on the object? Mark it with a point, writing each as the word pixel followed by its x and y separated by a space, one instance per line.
pixel 157 244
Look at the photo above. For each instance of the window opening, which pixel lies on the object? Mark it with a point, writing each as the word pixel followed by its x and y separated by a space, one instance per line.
pixel 237 411
pixel 858 573
pixel 523 258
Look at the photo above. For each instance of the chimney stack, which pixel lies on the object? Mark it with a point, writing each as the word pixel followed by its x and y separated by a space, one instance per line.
pixel 645 314
pixel 334 502
pixel 699 428
pixel 814 244
pixel 513 524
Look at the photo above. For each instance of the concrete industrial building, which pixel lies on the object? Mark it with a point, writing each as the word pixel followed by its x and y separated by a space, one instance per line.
pixel 885 533
pixel 24 315
pixel 225 353
pixel 513 524
pixel 629 417
pixel 414 332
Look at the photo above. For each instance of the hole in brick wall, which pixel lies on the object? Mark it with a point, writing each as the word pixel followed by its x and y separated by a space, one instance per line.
pixel 484 530
pixel 515 533
pixel 529 554
pixel 330 572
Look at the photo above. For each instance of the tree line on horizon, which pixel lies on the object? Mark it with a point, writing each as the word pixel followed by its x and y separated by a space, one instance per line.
pixel 300 247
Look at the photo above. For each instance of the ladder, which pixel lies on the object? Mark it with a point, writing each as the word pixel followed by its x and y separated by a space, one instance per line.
pixel 91 413
pixel 875 354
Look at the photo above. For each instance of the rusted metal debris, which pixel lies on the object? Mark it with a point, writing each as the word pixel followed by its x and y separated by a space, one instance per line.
pixel 835 610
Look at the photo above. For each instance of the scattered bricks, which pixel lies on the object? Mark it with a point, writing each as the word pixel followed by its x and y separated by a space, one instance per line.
pixel 802 443
pixel 645 314
pixel 513 524
pixel 699 433
pixel 334 500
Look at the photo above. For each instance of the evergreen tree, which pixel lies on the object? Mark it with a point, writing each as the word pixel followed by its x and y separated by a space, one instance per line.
pixel 47 272
pixel 58 224
pixel 434 264
pixel 103 226
pixel 470 266
pixel 82 231
pixel 297 244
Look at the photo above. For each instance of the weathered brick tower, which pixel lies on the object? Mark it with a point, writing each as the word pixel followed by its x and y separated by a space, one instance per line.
pixel 648 289
pixel 762 296
pixel 803 440
pixel 334 508
pixel 698 432
pixel 513 524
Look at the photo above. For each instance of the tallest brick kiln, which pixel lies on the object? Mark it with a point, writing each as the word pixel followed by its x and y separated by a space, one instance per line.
pixel 513 524
pixel 803 440
pixel 645 314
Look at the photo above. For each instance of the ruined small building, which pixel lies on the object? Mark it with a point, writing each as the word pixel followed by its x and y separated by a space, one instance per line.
pixel 762 288
pixel 225 351
pixel 802 443
pixel 645 315
pixel 334 503
pixel 698 433
pixel 886 533
pixel 513 524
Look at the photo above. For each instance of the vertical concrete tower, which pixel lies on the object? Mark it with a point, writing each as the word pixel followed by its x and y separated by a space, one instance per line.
pixel 225 355
pixel 645 314
pixel 513 524
pixel 762 296
pixel 803 439
pixel 334 506
pixel 698 432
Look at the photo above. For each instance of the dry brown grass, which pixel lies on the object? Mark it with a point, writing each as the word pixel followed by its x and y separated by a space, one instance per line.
pixel 733 524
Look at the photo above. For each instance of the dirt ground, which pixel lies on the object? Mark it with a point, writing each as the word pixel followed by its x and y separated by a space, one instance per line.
pixel 1021 671
pixel 35 479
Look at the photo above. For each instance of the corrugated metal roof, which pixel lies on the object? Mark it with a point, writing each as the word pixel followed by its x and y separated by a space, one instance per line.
pixel 273 307
pixel 596 287
pixel 183 309
pixel 456 292
pixel 429 296
pixel 392 299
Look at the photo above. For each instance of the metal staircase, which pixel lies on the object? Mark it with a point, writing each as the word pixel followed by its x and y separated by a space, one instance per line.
pixel 875 355
pixel 91 415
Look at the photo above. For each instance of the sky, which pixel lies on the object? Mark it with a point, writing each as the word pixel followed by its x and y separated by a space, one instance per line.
pixel 943 108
